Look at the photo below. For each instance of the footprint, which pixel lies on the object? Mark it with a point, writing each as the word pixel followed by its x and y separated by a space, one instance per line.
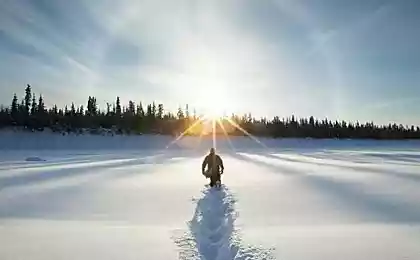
pixel 212 234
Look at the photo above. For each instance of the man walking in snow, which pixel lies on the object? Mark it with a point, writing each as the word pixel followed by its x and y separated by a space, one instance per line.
pixel 215 167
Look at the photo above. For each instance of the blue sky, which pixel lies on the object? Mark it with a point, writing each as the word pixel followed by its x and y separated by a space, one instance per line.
pixel 351 60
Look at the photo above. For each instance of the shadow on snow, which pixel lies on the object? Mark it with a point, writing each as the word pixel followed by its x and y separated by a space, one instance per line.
pixel 212 234
pixel 378 208
pixel 72 170
pixel 397 174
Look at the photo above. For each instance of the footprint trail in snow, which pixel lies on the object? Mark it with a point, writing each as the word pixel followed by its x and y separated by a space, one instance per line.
pixel 212 234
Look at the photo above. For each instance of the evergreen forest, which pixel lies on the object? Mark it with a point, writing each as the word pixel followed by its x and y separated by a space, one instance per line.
pixel 31 114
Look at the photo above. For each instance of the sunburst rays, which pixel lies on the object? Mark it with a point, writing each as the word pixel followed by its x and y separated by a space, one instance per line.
pixel 227 135
pixel 199 120
pixel 246 132
pixel 213 125
pixel 214 122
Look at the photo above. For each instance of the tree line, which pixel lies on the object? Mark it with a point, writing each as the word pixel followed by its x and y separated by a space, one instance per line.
pixel 31 113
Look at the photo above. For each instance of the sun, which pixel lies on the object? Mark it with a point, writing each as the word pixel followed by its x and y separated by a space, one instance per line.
pixel 212 98
pixel 214 111
pixel 215 104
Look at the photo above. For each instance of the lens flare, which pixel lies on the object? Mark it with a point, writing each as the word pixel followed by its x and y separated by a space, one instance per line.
pixel 205 119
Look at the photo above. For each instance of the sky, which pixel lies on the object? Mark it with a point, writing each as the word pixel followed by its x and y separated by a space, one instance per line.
pixel 345 60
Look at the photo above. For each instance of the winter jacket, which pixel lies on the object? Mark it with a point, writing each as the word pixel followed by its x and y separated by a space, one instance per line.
pixel 213 162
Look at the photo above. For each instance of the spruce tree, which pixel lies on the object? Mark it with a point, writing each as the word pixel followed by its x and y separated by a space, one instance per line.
pixel 153 110
pixel 15 109
pixel 141 110
pixel 131 108
pixel 34 105
pixel 28 98
pixel 41 114
pixel 41 105
pixel 187 112
pixel 138 111
pixel 72 110
pixel 108 108
pixel 118 108
pixel 94 106
pixel 180 114
pixel 160 111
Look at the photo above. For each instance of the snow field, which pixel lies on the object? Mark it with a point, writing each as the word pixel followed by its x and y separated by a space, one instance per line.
pixel 153 204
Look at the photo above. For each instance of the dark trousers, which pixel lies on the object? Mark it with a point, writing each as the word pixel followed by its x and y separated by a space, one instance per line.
pixel 215 177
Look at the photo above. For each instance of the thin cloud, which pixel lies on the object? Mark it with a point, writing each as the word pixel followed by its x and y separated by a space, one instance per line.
pixel 179 50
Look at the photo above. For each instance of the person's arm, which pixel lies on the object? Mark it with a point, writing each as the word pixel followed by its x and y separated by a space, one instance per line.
pixel 203 165
pixel 222 167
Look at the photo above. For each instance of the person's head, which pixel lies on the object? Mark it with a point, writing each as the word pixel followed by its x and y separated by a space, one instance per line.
pixel 212 151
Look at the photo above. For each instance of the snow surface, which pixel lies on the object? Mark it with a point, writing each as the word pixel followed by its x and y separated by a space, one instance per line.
pixel 127 197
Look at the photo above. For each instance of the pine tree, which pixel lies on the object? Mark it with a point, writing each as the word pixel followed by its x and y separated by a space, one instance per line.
pixel 82 110
pixel 160 111
pixel 153 110
pixel 180 114
pixel 141 110
pixel 15 109
pixel 26 106
pixel 149 112
pixel 108 108
pixel 22 109
pixel 72 110
pixel 187 112
pixel 131 108
pixel 118 108
pixel 28 98
pixel 138 111
pixel 41 105
pixel 34 105
pixel 94 106
pixel 41 115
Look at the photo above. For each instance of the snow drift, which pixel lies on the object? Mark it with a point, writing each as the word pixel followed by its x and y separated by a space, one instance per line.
pixel 128 197
pixel 49 141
